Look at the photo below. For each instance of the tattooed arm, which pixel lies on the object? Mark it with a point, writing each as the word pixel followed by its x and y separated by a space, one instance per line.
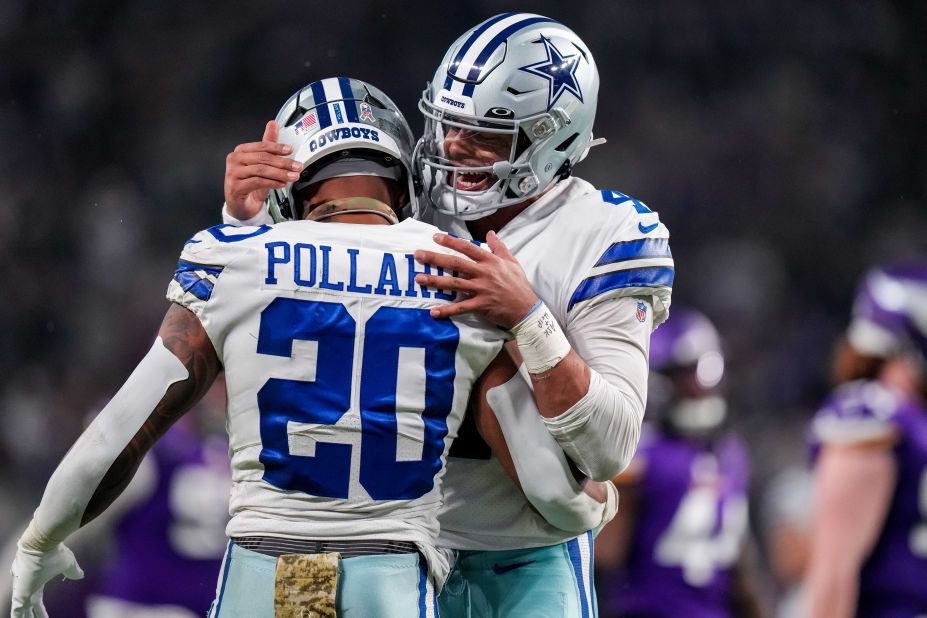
pixel 182 334
pixel 173 376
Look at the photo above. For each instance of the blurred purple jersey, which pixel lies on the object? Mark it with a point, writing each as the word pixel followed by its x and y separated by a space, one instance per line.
pixel 893 581
pixel 169 546
pixel 689 530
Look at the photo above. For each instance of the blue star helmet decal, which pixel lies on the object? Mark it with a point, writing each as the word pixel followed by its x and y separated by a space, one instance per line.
pixel 558 70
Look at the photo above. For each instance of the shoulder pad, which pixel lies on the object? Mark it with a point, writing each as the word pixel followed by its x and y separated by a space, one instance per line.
pixel 857 412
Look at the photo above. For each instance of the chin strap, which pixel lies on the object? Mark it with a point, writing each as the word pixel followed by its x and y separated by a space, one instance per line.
pixel 353 205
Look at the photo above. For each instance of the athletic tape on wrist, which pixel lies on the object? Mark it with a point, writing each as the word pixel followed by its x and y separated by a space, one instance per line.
pixel 540 339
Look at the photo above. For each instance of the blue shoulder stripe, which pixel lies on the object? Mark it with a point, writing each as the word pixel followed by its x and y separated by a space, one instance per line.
pixel 189 276
pixel 651 276
pixel 635 249
pixel 184 265
pixel 192 283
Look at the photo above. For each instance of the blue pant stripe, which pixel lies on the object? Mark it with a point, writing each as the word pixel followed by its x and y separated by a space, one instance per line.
pixel 225 578
pixel 594 611
pixel 422 589
pixel 576 559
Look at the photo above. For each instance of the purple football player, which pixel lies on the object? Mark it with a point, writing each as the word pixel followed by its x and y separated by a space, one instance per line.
pixel 868 550
pixel 675 547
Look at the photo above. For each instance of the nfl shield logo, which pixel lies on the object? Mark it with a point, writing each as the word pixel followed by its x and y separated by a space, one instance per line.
pixel 641 312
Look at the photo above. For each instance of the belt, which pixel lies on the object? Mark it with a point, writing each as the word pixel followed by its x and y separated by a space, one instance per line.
pixel 274 546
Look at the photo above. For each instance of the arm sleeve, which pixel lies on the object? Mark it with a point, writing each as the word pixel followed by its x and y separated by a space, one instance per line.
pixel 543 471
pixel 263 217
pixel 601 431
pixel 77 477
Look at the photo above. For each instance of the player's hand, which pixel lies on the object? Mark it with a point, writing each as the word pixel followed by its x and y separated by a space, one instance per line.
pixel 607 493
pixel 253 169
pixel 491 283
pixel 33 569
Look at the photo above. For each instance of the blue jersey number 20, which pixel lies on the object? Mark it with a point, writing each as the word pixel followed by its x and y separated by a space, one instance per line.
pixel 325 400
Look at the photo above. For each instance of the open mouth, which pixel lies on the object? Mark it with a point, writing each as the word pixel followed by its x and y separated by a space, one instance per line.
pixel 472 181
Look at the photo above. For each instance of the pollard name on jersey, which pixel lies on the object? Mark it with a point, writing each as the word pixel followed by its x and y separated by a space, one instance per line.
pixel 893 576
pixel 579 247
pixel 343 393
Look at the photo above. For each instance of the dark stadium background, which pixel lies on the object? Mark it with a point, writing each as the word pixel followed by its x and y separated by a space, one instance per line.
pixel 783 143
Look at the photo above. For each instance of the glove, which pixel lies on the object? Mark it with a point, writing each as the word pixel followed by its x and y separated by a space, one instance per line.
pixel 31 570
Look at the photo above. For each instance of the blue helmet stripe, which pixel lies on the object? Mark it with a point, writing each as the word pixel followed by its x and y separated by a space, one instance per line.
pixel 318 95
pixel 486 25
pixel 648 277
pixel 350 106
pixel 635 249
pixel 495 43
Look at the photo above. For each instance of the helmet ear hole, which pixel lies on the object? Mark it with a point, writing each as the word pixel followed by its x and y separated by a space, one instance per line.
pixel 566 143
pixel 372 100
pixel 296 115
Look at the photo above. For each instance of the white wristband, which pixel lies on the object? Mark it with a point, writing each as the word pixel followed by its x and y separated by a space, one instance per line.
pixel 540 339
pixel 262 217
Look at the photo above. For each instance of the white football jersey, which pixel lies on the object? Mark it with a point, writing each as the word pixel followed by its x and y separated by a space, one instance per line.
pixel 343 393
pixel 591 256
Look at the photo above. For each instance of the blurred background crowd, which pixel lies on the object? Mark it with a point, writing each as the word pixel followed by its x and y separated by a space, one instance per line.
pixel 784 145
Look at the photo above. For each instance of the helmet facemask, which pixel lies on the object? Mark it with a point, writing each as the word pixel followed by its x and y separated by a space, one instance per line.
pixel 521 75
pixel 456 151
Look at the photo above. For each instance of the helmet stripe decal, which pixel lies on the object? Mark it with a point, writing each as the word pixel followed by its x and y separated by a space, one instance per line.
pixel 333 95
pixel 350 107
pixel 477 66
pixel 473 37
pixel 469 53
pixel 318 95
pixel 480 45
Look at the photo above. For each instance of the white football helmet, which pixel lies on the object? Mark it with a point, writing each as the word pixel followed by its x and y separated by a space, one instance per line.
pixel 349 128
pixel 517 83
